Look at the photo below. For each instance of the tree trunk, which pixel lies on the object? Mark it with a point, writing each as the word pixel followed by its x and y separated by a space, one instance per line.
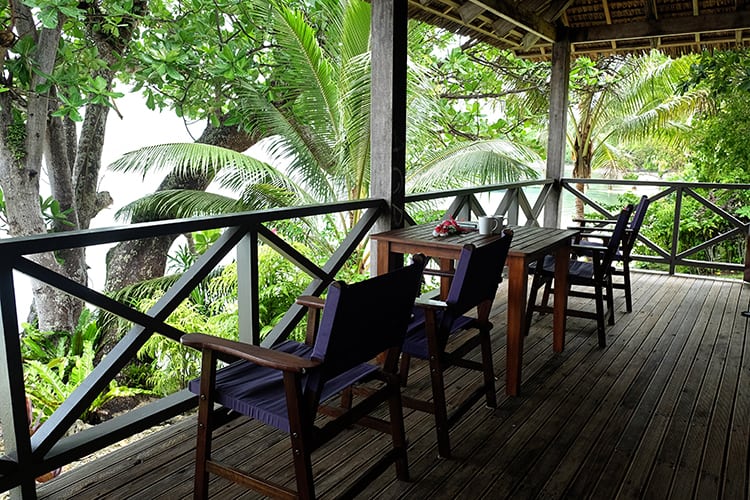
pixel 88 164
pixel 582 150
pixel 59 155
pixel 20 168
pixel 72 169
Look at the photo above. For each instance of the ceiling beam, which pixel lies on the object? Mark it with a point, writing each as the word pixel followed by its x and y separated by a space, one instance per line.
pixel 673 26
pixel 520 17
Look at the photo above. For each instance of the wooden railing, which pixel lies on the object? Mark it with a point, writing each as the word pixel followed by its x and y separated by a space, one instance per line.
pixel 28 457
pixel 674 255
pixel 464 204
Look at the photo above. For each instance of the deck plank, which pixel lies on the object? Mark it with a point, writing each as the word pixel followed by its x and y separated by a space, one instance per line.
pixel 735 477
pixel 662 412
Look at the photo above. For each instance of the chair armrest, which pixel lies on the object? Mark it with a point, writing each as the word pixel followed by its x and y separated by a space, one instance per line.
pixel 590 248
pixel 587 230
pixel 426 303
pixel 311 301
pixel 598 234
pixel 594 221
pixel 253 353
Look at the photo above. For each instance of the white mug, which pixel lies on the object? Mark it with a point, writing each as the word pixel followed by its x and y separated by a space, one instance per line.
pixel 488 224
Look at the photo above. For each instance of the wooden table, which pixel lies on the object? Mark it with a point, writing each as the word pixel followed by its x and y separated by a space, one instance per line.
pixel 529 244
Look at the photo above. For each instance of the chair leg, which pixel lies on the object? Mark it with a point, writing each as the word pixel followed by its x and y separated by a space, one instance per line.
pixel 300 434
pixel 398 434
pixel 302 466
pixel 440 408
pixel 205 408
pixel 536 283
pixel 403 371
pixel 488 370
pixel 610 301
pixel 600 315
pixel 347 396
pixel 202 452
pixel 626 279
pixel 547 292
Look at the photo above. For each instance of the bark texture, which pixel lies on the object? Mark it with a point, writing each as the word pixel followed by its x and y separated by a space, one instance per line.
pixel 72 167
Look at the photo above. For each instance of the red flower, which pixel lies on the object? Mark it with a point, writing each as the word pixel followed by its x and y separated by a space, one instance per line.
pixel 447 227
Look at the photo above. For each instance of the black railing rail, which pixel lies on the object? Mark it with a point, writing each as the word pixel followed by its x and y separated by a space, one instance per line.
pixel 674 255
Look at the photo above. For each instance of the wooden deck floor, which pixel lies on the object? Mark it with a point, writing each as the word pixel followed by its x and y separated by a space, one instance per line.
pixel 662 412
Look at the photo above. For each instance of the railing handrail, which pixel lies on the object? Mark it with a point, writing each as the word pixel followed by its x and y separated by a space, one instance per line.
pixel 659 183
pixel 38 243
pixel 435 195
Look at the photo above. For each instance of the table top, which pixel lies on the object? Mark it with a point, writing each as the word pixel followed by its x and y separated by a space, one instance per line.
pixel 528 241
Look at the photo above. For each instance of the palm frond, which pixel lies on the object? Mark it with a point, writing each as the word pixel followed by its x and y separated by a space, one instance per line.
pixel 355 30
pixel 312 71
pixel 179 203
pixel 484 162
pixel 186 158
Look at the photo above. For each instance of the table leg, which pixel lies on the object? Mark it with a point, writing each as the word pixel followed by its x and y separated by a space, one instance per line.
pixel 383 257
pixel 517 297
pixel 562 259
pixel 447 266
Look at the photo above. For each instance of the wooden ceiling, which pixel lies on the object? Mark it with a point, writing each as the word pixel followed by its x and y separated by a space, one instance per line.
pixel 528 27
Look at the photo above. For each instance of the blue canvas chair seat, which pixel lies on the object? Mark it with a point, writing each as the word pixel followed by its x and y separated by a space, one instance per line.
pixel 592 279
pixel 285 386
pixel 258 392
pixel 474 285
pixel 578 270
pixel 415 343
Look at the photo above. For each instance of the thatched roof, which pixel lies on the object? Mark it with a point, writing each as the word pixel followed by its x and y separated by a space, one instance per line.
pixel 528 27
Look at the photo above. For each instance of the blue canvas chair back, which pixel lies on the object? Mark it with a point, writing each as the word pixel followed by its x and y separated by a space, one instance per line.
pixel 479 271
pixel 618 233
pixel 362 320
pixel 639 214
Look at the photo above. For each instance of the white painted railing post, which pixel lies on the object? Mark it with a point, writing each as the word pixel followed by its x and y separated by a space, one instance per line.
pixel 247 288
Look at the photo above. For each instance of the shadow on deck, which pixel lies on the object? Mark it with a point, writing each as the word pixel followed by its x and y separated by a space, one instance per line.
pixel 662 412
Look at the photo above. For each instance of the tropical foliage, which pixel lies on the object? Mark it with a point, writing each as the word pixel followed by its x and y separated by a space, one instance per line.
pixel 55 364
pixel 620 103
pixel 316 122
pixel 212 308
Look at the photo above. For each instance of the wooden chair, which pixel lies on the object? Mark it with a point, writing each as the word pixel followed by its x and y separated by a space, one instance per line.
pixel 474 285
pixel 601 229
pixel 284 387
pixel 595 274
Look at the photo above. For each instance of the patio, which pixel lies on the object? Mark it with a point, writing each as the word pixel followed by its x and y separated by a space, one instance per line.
pixel 662 412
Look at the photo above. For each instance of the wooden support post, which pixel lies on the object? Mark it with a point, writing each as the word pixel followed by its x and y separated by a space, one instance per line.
pixel 558 112
pixel 388 111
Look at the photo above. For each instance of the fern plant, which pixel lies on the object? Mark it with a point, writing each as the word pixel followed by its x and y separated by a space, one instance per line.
pixel 55 366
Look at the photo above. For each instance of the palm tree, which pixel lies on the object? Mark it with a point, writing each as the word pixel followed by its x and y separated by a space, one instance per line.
pixel 619 101
pixel 316 118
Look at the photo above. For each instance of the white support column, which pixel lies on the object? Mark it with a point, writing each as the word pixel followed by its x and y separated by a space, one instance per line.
pixel 247 289
pixel 558 112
